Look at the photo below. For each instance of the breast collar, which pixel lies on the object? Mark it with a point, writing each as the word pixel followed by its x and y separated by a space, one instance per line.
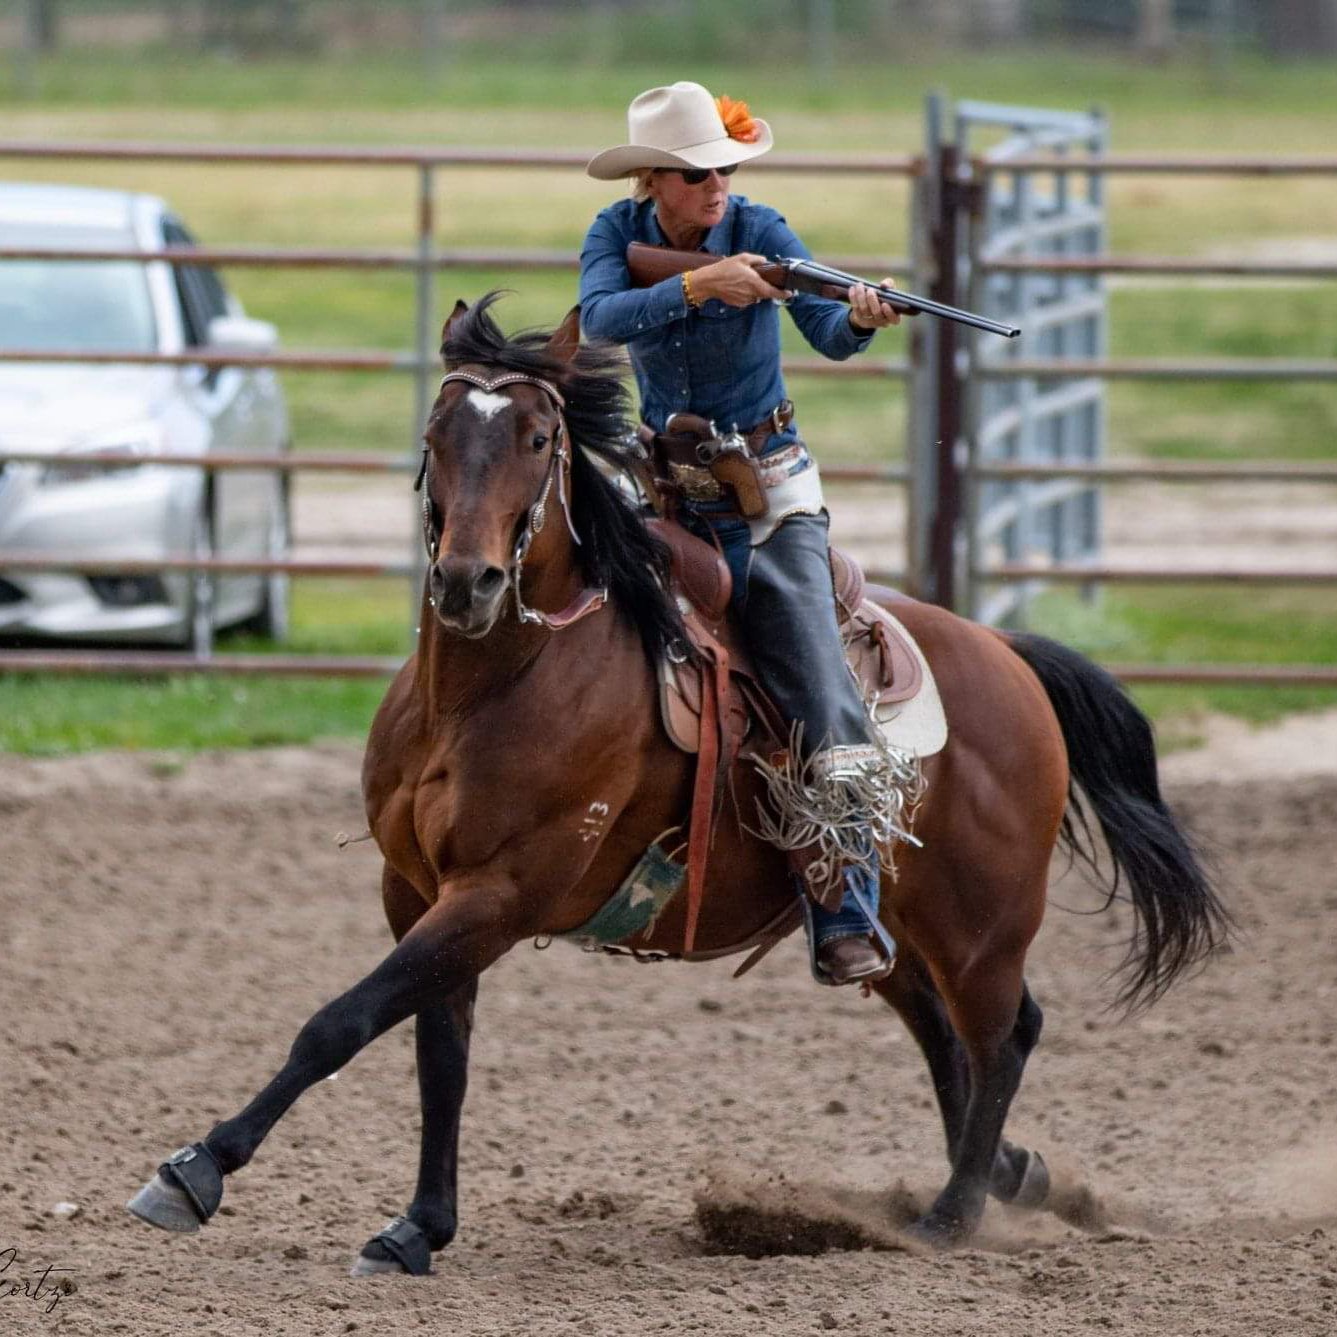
pixel 559 463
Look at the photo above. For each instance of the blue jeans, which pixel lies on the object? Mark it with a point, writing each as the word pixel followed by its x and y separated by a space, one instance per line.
pixel 734 539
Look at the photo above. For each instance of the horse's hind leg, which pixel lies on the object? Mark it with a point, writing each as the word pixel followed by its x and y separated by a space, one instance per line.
pixel 1019 1175
pixel 996 1054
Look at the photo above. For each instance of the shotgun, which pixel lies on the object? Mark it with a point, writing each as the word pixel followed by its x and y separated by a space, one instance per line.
pixel 649 265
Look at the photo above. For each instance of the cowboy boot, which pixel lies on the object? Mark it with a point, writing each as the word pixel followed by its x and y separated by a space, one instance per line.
pixel 852 960
pixel 850 944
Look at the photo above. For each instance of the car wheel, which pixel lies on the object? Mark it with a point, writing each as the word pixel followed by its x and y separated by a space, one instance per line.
pixel 271 619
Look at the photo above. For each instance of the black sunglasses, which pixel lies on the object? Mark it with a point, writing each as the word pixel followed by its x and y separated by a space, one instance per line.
pixel 695 176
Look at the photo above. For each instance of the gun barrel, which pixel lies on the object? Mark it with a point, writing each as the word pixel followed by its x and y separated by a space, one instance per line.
pixel 906 301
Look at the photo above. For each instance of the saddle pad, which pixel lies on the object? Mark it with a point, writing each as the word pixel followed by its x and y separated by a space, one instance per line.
pixel 890 667
pixel 917 724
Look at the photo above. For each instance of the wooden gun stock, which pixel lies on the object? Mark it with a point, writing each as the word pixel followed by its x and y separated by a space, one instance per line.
pixel 649 265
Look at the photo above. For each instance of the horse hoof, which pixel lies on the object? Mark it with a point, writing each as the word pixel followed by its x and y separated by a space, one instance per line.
pixel 164 1205
pixel 400 1247
pixel 937 1232
pixel 1034 1189
pixel 184 1193
pixel 373 1267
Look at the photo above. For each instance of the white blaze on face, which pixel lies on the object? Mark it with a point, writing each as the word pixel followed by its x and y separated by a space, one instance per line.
pixel 486 405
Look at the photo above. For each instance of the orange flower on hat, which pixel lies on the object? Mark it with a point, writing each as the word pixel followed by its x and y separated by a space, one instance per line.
pixel 738 122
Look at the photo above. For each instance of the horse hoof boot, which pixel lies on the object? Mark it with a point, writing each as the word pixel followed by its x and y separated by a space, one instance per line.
pixel 849 960
pixel 184 1193
pixel 1034 1187
pixel 406 1246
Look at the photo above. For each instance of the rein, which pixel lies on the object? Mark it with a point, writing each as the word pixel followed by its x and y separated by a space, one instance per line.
pixel 589 600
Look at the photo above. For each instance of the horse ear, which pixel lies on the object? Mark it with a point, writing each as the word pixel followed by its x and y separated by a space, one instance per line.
pixel 566 337
pixel 458 314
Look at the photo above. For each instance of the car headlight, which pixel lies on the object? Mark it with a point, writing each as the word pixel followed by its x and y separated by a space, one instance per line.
pixel 127 446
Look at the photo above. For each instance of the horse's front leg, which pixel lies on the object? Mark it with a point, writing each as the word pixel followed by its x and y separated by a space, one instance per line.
pixel 472 923
pixel 406 1243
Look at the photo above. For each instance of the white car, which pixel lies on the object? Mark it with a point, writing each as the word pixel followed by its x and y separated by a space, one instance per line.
pixel 131 511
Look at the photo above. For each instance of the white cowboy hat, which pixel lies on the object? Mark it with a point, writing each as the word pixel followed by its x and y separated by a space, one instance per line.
pixel 677 126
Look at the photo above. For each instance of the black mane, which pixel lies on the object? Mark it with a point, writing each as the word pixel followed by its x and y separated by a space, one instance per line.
pixel 616 549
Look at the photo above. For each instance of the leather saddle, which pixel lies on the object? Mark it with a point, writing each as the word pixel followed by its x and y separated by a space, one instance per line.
pixel 882 661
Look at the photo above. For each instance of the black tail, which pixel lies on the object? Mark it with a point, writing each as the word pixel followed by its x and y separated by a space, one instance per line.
pixel 1112 758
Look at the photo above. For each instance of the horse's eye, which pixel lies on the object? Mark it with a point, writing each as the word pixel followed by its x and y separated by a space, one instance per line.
pixel 539 442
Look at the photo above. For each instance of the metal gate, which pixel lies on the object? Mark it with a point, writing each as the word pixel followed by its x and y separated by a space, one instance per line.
pixel 964 419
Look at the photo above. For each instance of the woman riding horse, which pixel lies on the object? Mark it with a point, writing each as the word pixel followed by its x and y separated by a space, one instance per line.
pixel 707 344
pixel 518 776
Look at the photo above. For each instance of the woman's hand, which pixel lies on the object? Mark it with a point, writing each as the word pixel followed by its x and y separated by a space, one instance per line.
pixel 867 313
pixel 734 281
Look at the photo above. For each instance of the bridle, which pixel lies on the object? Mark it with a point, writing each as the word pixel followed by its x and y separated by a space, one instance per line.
pixel 532 522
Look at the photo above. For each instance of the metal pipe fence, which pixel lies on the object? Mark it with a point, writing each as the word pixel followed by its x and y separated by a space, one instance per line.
pixel 1090 573
pixel 961 186
pixel 424 261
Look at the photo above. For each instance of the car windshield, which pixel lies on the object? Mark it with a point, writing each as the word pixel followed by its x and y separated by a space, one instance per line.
pixel 90 306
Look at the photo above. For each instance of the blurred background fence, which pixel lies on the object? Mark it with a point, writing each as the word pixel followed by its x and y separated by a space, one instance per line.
pixel 1198 269
pixel 818 31
pixel 1004 498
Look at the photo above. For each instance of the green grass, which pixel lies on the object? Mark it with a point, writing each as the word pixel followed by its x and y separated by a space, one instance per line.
pixel 51 716
pixel 553 88
pixel 1224 419
pixel 1156 625
pixel 562 73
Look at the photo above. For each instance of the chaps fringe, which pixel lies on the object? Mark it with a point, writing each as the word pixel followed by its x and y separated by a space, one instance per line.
pixel 847 800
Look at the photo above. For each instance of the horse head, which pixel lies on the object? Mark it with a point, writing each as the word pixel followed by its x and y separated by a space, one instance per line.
pixel 495 451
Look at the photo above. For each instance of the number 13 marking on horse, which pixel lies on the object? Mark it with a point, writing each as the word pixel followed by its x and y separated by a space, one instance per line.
pixel 593 822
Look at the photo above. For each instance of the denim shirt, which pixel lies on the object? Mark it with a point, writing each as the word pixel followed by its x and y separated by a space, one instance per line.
pixel 721 362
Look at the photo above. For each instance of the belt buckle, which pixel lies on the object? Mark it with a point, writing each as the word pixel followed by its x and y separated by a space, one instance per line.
pixel 696 484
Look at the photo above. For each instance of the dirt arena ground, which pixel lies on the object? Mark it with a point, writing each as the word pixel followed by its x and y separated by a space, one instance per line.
pixel 633 1132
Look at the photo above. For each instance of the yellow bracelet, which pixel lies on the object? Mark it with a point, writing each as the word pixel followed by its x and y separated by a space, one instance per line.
pixel 687 290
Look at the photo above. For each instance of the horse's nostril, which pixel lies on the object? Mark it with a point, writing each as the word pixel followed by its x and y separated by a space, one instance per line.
pixel 490 581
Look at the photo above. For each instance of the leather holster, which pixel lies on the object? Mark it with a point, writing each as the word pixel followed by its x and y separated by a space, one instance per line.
pixel 738 471
pixel 702 464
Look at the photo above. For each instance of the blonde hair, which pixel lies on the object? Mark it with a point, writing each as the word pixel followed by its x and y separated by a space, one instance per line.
pixel 640 183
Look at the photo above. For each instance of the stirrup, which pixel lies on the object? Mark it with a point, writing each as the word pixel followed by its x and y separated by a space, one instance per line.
pixel 810 934
pixel 881 937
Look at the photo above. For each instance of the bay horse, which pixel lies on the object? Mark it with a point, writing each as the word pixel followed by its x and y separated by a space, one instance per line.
pixel 517 770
